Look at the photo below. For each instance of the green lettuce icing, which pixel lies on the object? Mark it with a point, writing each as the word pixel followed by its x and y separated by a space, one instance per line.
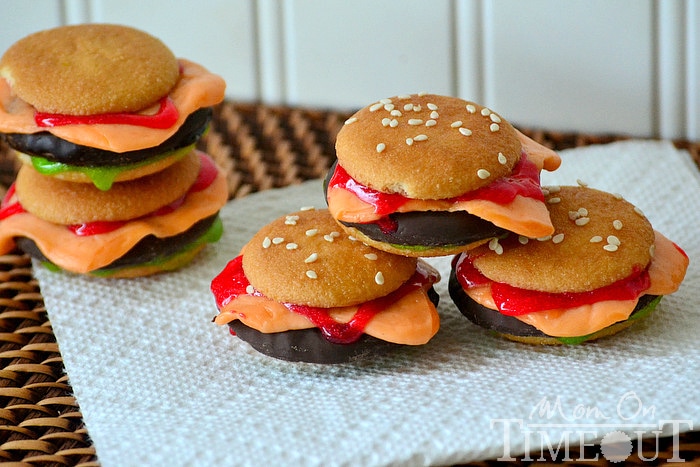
pixel 102 177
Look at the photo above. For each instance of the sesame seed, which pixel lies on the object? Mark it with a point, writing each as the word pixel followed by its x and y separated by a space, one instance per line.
pixel 311 274
pixel 471 108
pixel 573 215
pixel 328 238
pixel 291 220
pixel 456 124
pixel 375 107
pixel 422 93
pixel 582 211
pixel 617 224
pixel 371 256
pixel 503 160
pixel 465 131
pixel 350 120
pixel 485 111
pixel 432 106
pixel 352 238
pixel 581 221
pixel 613 240
pixel 596 239
pixel 408 107
pixel 417 108
pixel 404 96
pixel 266 242
pixel 394 123
pixel 638 211
pixel 334 234
pixel 652 250
pixel 409 141
pixel 554 188
pixel 386 100
pixel 307 208
pixel 379 278
pixel 311 258
pixel 386 121
pixel 434 114
pixel 554 200
pixel 558 238
pixel 431 122
pixel 494 127
pixel 610 247
pixel 617 196
pixel 495 118
pixel 420 137
pixel 396 113
pixel 523 239
pixel 483 174
pixel 311 232
pixel 381 147
pixel 277 240
pixel 493 244
pixel 415 121
pixel 499 250
pixel 291 246
pixel 581 182
pixel 250 290
pixel 544 239
pixel 545 191
pixel 389 107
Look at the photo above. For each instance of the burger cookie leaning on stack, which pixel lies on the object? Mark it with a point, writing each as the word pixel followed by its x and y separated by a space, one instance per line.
pixel 105 120
pixel 603 269
pixel 430 175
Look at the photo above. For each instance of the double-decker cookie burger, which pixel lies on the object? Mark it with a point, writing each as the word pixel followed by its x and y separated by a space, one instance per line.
pixel 603 268
pixel 302 289
pixel 104 119
pixel 431 175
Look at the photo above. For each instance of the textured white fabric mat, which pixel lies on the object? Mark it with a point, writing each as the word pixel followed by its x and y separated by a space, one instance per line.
pixel 159 384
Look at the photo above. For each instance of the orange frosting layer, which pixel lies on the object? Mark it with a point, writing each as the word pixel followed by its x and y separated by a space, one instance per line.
pixel 196 88
pixel 666 272
pixel 83 254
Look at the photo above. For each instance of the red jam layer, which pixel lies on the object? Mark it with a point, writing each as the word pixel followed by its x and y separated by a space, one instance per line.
pixel 514 301
pixel 524 180
pixel 206 176
pixel 166 116
pixel 232 282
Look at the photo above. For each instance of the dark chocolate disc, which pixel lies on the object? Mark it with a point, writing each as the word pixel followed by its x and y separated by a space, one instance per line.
pixel 309 345
pixel 426 228
pixel 55 149
pixel 503 324
pixel 148 249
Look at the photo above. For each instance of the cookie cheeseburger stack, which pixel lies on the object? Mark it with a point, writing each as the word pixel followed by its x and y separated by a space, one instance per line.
pixel 105 120
pixel 430 175
pixel 603 269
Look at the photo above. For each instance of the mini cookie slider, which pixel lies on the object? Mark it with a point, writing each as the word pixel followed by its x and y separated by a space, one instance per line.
pixel 304 290
pixel 602 269
pixel 430 175
pixel 102 103
pixel 155 223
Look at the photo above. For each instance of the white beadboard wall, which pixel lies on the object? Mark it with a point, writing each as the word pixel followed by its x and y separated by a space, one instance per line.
pixel 622 66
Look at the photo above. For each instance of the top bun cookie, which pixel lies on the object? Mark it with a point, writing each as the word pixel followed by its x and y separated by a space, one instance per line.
pixel 90 69
pixel 599 238
pixel 305 258
pixel 426 146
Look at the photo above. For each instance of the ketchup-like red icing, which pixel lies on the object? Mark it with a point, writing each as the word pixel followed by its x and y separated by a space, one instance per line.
pixel 166 116
pixel 513 301
pixel 232 282
pixel 206 176
pixel 524 180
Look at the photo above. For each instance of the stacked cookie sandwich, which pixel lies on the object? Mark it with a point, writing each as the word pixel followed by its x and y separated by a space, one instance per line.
pixel 104 119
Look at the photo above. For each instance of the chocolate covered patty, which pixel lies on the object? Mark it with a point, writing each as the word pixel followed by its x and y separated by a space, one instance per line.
pixel 90 69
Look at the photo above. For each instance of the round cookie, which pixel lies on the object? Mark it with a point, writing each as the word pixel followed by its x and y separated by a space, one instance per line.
pixel 439 147
pixel 68 203
pixel 599 238
pixel 306 258
pixel 90 69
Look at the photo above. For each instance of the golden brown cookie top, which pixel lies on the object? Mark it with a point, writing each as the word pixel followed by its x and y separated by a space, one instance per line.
pixel 599 238
pixel 90 69
pixel 427 146
pixel 67 203
pixel 305 258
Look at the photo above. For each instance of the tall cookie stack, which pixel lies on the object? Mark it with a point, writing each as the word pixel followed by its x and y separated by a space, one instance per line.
pixel 105 119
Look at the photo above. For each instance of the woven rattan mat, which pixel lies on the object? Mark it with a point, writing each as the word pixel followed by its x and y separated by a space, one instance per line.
pixel 260 147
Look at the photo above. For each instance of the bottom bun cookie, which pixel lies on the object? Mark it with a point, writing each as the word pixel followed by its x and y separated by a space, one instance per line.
pixel 513 329
pixel 310 346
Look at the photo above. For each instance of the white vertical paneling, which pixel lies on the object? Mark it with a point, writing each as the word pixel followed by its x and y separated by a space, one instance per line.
pixel 671 68
pixel 693 70
pixel 584 65
pixel 468 49
pixel 346 54
pixel 76 11
pixel 20 18
pixel 219 34
pixel 270 48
